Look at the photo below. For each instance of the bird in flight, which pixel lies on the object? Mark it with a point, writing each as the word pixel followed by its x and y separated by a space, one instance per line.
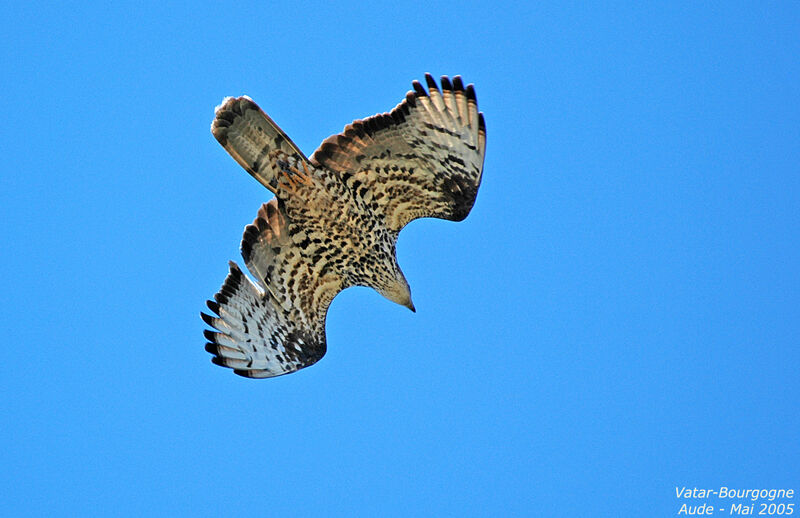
pixel 335 217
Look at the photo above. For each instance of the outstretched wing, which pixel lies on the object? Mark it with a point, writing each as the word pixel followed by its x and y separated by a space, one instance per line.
pixel 424 159
pixel 276 325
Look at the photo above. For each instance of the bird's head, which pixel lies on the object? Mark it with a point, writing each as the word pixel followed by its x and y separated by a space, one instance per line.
pixel 398 292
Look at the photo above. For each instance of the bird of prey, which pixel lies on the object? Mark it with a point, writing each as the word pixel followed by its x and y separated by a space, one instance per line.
pixel 335 217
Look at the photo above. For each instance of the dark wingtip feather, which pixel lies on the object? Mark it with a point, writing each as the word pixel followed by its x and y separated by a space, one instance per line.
pixel 419 89
pixel 211 336
pixel 212 348
pixel 397 116
pixel 213 306
pixel 233 279
pixel 356 129
pixel 231 284
pixel 320 155
pixel 431 82
pixel 446 85
pixel 471 92
pixel 246 250
pixel 481 123
pixel 208 319
pixel 342 140
pixel 457 83
pixel 411 99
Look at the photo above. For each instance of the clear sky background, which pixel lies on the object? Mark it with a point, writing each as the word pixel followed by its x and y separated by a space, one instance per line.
pixel 618 316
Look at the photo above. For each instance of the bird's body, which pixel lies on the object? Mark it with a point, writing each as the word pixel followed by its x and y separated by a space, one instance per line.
pixel 335 218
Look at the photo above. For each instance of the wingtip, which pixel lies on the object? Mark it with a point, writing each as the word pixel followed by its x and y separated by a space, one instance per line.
pixel 431 82
pixel 471 93
pixel 419 89
pixel 213 306
pixel 446 84
pixel 208 319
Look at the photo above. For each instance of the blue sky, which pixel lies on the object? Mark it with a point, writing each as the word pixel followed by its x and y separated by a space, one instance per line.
pixel 618 316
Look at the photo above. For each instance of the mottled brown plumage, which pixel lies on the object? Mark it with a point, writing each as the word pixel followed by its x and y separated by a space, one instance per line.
pixel 335 217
